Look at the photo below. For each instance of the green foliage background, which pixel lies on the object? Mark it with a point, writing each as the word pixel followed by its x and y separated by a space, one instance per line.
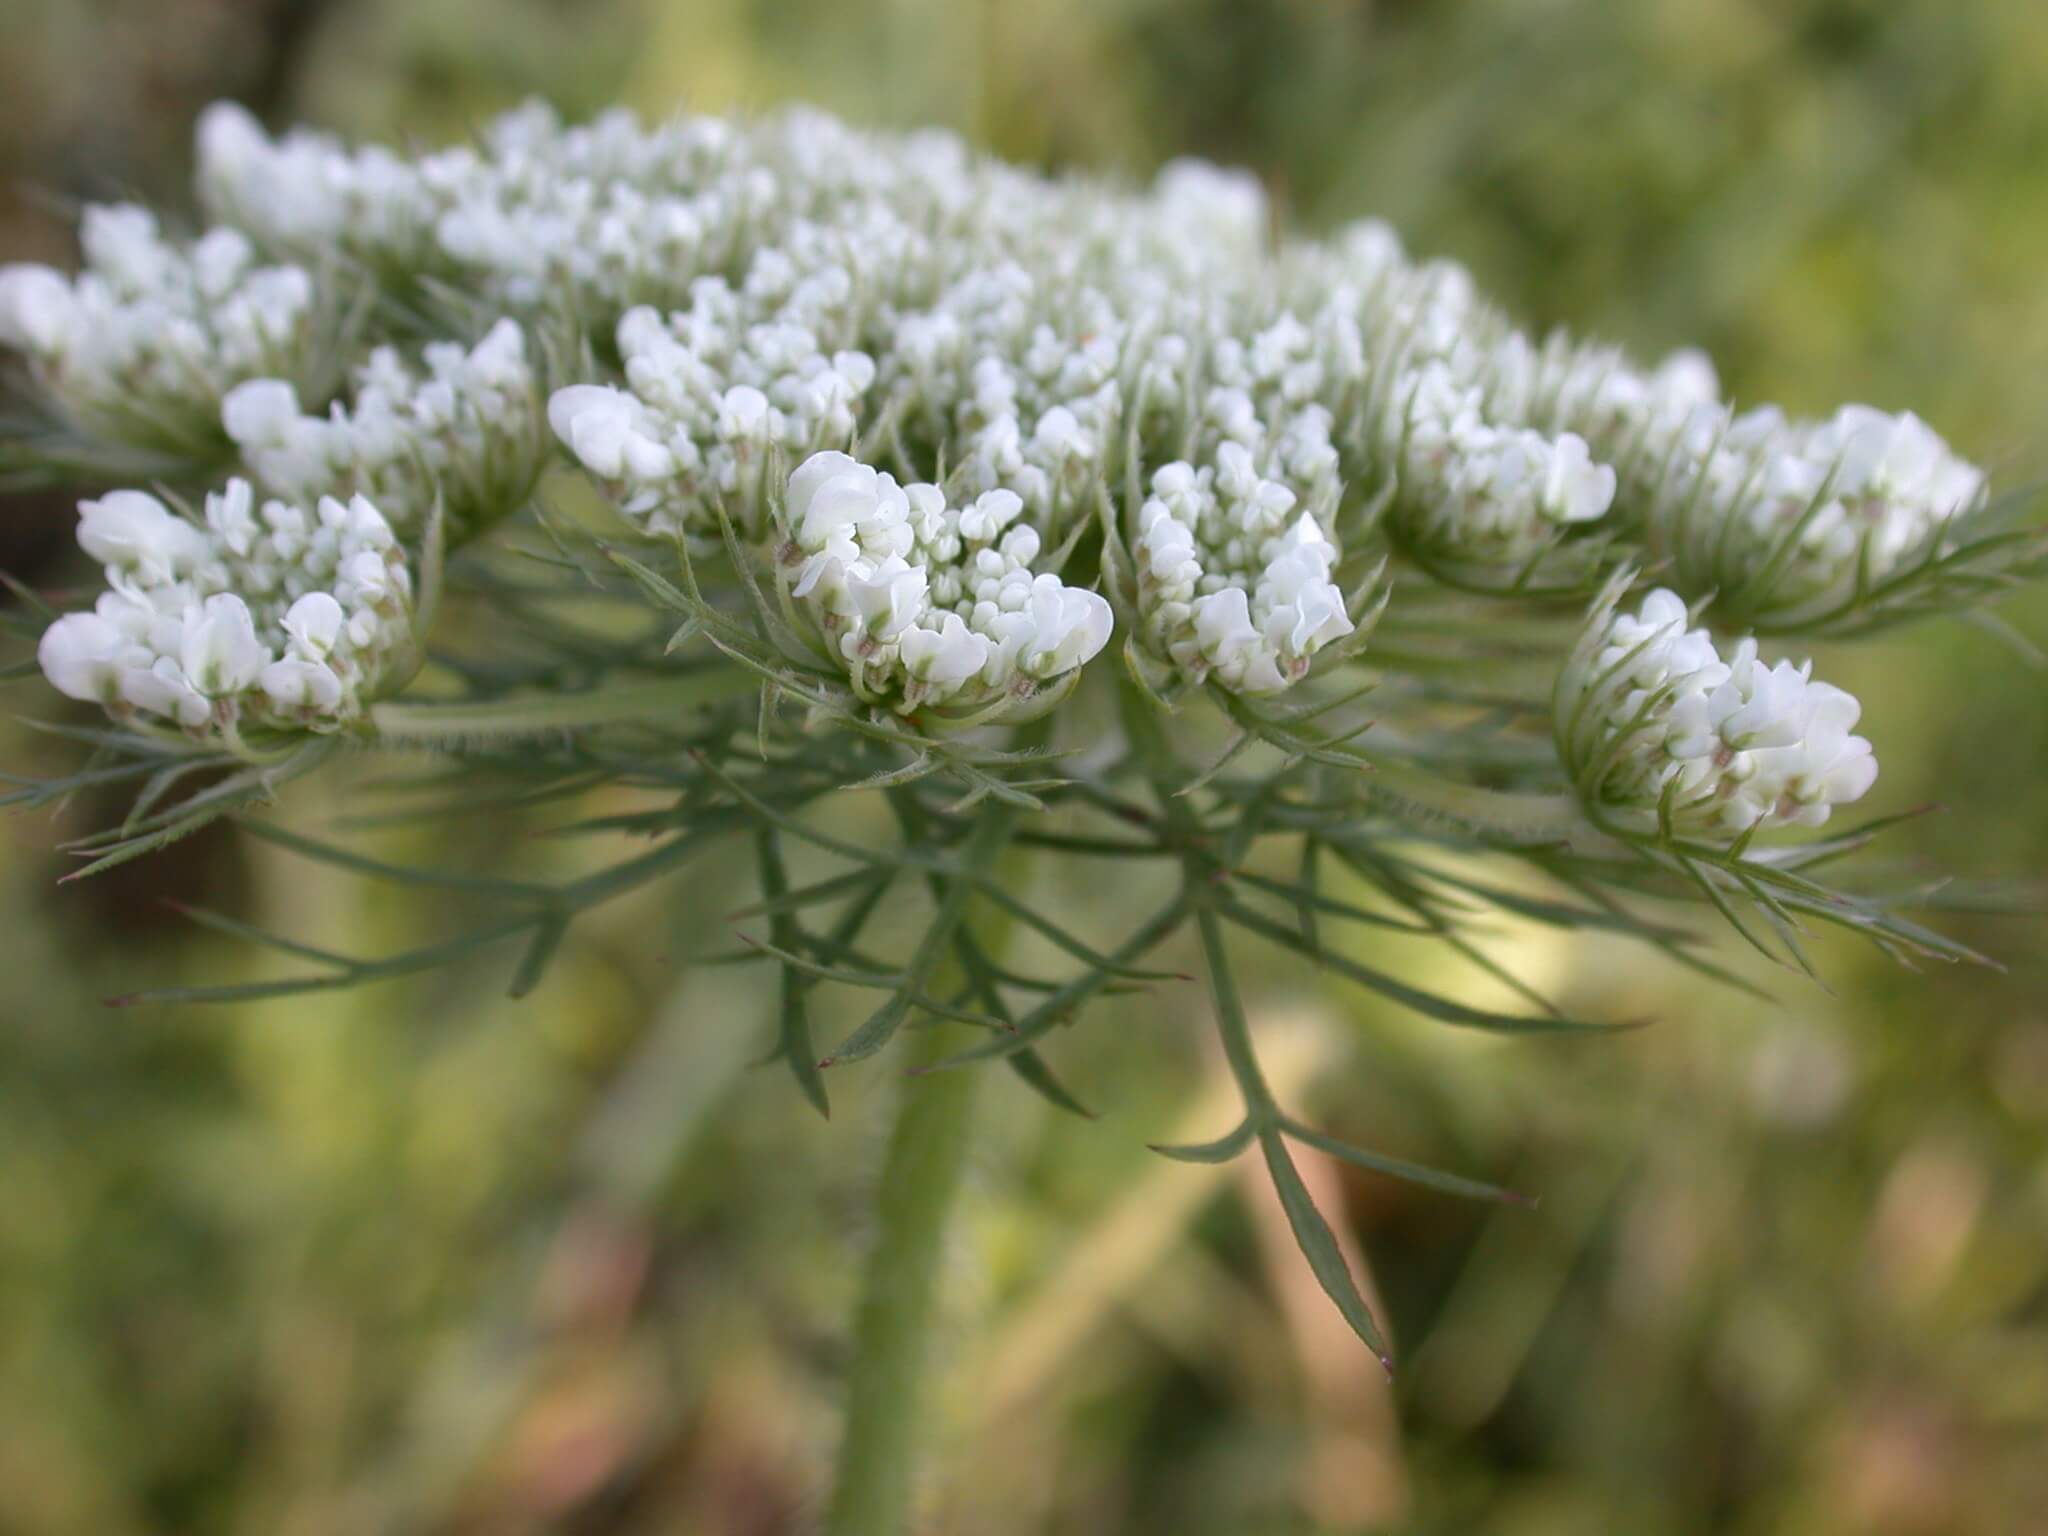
pixel 423 1260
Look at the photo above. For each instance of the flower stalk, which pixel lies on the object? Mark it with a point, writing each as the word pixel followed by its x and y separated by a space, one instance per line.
pixel 892 1340
pixel 885 1420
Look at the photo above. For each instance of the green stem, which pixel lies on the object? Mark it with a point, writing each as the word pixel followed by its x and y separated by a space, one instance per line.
pixel 921 1173
pixel 1506 816
pixel 892 1331
pixel 472 721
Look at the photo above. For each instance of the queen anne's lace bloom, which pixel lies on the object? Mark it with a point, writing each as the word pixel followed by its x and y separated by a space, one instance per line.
pixel 142 344
pixel 1661 727
pixel 266 616
pixel 1019 376
pixel 930 605
pixel 467 430
pixel 759 291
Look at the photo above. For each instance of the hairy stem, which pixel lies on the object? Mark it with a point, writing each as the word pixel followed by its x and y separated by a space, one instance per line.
pixel 921 1172
pixel 885 1399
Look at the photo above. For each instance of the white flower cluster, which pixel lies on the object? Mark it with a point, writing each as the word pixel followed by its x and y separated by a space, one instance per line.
pixel 1474 490
pixel 269 617
pixel 1478 484
pixel 1007 316
pixel 1783 521
pixel 1663 727
pixel 1233 577
pixel 1024 333
pixel 613 213
pixel 1017 377
pixel 305 193
pixel 930 606
pixel 468 430
pixel 593 218
pixel 712 404
pixel 787 286
pixel 141 345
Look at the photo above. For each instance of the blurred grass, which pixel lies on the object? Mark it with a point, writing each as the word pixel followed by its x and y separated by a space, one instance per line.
pixel 421 1260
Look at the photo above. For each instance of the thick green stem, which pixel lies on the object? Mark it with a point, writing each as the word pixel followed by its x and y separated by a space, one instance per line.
pixel 885 1403
pixel 921 1173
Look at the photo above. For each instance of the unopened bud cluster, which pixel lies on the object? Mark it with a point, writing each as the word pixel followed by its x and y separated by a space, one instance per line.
pixel 268 616
pixel 929 605
pixel 1663 729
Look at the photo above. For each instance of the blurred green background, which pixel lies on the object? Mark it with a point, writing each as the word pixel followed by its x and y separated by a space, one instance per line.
pixel 421 1260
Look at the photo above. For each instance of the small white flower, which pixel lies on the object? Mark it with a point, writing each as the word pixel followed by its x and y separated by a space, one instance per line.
pixel 601 426
pixel 133 532
pixel 260 412
pixel 1575 489
pixel 297 684
pixel 888 599
pixel 314 625
pixel 36 309
pixel 81 656
pixel 231 515
pixel 743 412
pixel 832 494
pixel 947 656
pixel 220 653
pixel 1071 624
pixel 163 689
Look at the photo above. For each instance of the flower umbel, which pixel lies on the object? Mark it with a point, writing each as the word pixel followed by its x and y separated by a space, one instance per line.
pixel 1658 727
pixel 467 432
pixel 268 618
pixel 141 346
pixel 931 606
pixel 1233 577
